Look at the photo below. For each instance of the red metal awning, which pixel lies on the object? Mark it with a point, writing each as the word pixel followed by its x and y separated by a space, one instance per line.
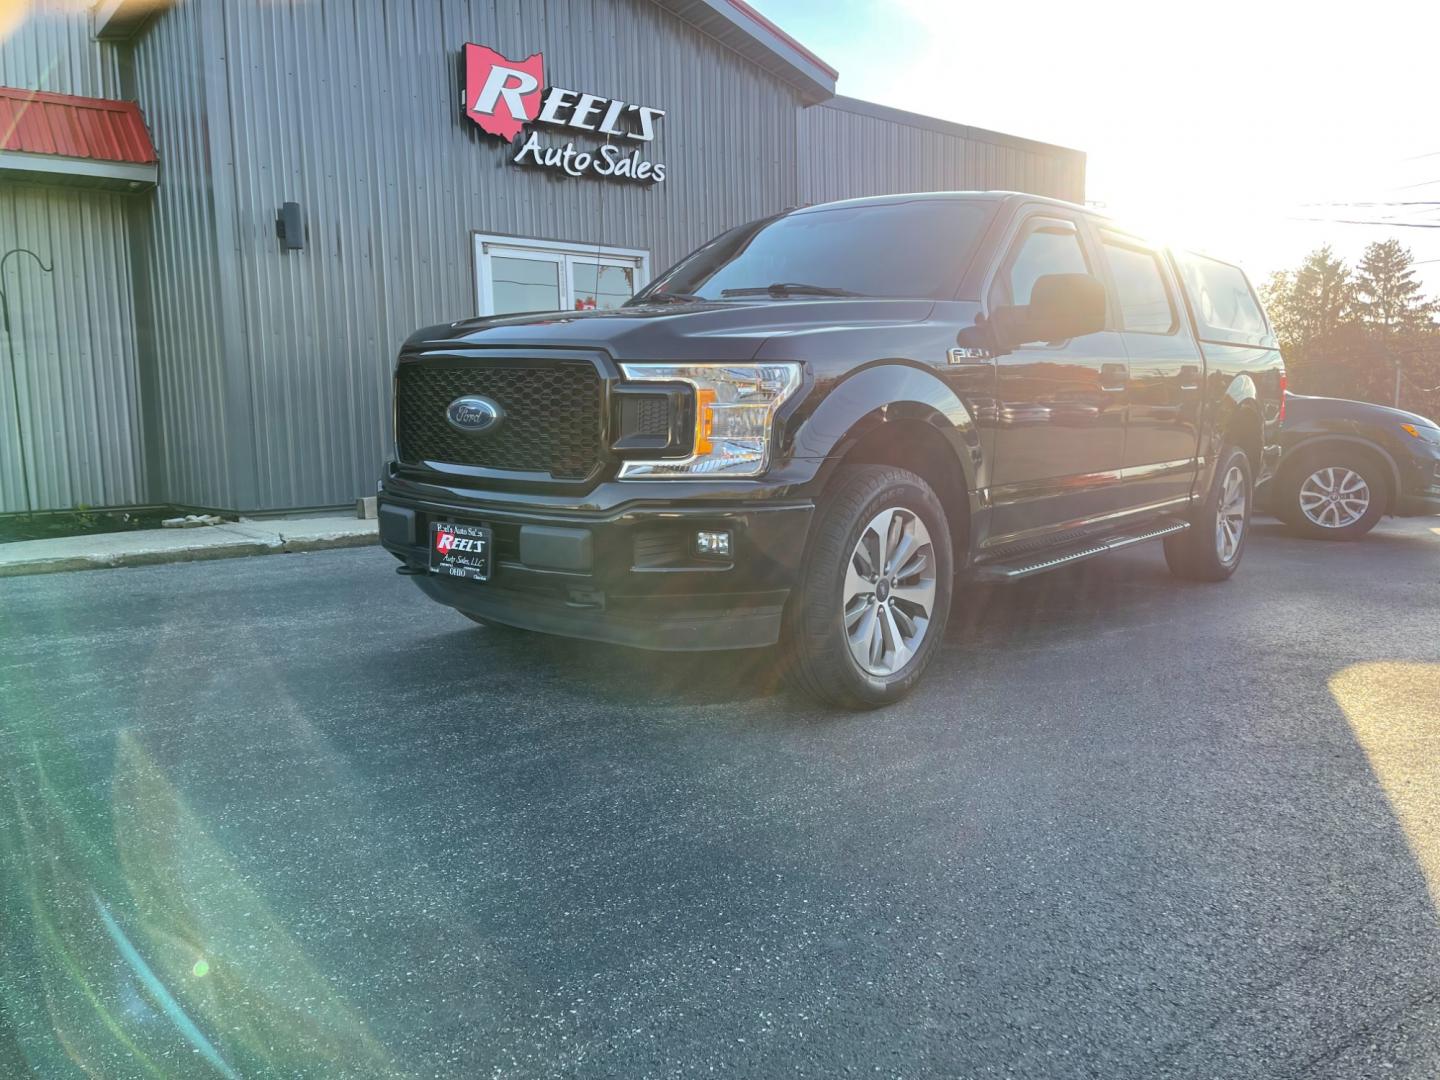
pixel 96 129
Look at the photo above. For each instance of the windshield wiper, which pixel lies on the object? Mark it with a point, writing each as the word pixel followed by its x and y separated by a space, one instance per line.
pixel 790 288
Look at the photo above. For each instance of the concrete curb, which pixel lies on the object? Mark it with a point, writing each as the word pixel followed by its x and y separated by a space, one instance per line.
pixel 155 546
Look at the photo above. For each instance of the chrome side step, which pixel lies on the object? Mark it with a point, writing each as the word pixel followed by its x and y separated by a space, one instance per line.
pixel 1038 562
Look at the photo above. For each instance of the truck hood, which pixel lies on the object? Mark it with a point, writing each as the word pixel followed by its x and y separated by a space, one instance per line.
pixel 712 330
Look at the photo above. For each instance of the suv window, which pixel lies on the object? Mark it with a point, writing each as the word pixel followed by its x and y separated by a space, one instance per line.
pixel 1222 297
pixel 1145 304
pixel 1049 247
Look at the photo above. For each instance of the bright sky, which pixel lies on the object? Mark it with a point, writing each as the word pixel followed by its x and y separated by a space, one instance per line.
pixel 1212 125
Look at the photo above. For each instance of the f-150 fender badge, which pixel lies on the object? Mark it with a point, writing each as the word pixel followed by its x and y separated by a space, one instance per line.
pixel 962 355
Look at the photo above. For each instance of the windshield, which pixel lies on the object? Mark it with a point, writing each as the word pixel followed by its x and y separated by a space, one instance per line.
pixel 917 248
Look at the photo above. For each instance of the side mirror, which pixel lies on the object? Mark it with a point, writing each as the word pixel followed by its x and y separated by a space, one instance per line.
pixel 1062 306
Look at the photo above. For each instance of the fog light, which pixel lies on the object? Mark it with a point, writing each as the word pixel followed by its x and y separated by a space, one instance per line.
pixel 712 543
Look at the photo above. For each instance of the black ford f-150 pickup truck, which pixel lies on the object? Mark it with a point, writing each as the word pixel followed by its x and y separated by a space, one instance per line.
pixel 817 428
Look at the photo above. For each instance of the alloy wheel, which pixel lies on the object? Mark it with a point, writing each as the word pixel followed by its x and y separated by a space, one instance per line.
pixel 889 591
pixel 1230 516
pixel 1334 497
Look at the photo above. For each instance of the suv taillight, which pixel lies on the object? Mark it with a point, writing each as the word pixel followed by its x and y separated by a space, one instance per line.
pixel 1284 385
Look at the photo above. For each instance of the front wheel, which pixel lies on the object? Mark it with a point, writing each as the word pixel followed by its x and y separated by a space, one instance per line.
pixel 1211 548
pixel 870 610
pixel 1332 494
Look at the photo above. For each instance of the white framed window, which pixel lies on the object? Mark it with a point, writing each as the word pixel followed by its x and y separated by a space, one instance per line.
pixel 514 275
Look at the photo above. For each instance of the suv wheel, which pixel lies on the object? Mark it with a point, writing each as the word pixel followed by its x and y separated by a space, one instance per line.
pixel 1332 495
pixel 1211 548
pixel 872 604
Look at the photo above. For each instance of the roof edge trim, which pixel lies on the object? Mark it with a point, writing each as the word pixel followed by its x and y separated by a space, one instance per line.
pixel 739 26
pixel 944 127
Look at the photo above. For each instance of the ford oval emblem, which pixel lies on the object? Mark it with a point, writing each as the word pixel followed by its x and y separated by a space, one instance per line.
pixel 474 414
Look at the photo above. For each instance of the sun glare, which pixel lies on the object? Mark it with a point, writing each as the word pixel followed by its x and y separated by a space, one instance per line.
pixel 1394 711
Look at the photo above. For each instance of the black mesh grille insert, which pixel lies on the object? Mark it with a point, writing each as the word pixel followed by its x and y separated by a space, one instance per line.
pixel 660 547
pixel 647 414
pixel 551 425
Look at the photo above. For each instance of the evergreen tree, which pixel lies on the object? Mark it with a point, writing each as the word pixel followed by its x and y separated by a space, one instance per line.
pixel 1346 336
pixel 1322 296
pixel 1387 296
pixel 1278 296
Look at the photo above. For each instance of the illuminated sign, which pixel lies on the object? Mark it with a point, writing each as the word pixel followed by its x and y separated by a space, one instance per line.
pixel 505 96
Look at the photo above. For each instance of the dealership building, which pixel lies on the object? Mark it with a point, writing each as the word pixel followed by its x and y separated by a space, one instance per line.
pixel 245 207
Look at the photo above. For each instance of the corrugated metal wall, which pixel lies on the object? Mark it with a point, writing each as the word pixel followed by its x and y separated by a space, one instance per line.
pixel 353 111
pixel 198 431
pixel 75 329
pixel 75 352
pixel 160 252
pixel 847 152
pixel 51 49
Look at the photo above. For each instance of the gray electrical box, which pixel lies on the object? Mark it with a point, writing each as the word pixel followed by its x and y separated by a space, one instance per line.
pixel 290 227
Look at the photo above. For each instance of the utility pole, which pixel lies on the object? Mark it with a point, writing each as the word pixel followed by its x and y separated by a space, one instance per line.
pixel 14 365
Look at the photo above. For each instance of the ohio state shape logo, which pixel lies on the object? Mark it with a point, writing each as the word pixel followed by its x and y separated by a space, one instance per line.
pixel 502 95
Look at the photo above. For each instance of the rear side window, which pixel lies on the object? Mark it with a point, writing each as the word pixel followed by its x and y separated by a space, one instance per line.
pixel 1225 305
pixel 1144 298
pixel 1048 248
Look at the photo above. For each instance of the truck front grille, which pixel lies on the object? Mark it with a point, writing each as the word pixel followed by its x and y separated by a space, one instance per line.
pixel 551 424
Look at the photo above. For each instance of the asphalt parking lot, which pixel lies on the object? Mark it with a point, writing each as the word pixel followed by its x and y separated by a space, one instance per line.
pixel 283 816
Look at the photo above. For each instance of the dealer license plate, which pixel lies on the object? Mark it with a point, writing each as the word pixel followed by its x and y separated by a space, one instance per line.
pixel 460 551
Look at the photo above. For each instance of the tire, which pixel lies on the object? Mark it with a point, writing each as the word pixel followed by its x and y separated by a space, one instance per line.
pixel 1302 494
pixel 1211 550
pixel 863 500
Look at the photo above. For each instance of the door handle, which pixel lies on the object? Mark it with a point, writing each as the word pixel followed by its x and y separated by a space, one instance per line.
pixel 1189 372
pixel 1110 374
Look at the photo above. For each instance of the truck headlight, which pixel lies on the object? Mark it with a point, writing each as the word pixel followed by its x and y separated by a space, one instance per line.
pixel 735 406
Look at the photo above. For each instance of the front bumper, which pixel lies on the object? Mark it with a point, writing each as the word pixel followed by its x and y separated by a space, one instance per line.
pixel 1425 504
pixel 1419 484
pixel 626 573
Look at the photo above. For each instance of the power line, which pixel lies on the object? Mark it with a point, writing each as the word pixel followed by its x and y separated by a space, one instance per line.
pixel 1398 216
pixel 1413 202
pixel 1381 224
